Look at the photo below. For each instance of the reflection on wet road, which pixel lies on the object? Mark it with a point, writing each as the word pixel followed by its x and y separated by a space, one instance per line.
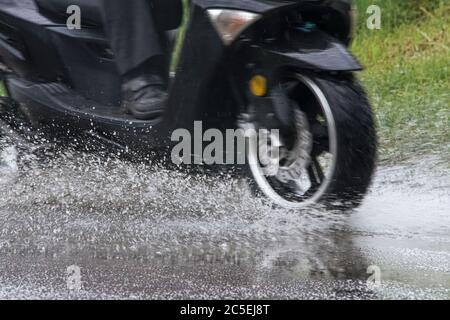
pixel 142 233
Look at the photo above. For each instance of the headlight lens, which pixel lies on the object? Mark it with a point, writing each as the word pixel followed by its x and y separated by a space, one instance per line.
pixel 231 23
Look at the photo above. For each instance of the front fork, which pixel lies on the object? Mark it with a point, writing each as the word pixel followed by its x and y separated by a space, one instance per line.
pixel 266 101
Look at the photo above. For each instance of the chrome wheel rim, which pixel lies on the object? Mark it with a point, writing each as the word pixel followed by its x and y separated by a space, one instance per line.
pixel 261 177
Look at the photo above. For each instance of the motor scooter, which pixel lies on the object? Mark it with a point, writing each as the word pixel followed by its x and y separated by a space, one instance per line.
pixel 253 64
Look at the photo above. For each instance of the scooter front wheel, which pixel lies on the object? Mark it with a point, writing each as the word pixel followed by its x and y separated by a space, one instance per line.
pixel 328 156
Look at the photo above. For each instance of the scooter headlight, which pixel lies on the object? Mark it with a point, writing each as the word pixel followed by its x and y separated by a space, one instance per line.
pixel 231 23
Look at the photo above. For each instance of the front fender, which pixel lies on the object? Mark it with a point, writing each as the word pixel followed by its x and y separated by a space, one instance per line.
pixel 313 50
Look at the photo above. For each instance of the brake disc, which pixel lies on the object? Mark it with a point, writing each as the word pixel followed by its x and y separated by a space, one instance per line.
pixel 297 159
pixel 275 158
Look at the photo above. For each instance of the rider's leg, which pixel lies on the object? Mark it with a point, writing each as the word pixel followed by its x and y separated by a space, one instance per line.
pixel 136 43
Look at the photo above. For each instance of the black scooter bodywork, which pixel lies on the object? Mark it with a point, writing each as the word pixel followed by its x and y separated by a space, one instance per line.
pixel 65 81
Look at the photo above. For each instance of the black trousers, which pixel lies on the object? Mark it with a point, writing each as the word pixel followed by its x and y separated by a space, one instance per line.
pixel 133 34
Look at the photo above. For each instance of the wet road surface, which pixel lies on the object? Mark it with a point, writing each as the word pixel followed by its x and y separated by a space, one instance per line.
pixel 143 233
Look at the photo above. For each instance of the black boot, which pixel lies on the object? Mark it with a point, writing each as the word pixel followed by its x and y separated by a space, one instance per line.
pixel 144 97
pixel 144 90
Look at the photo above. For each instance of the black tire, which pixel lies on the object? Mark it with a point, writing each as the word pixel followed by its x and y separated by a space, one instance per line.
pixel 356 143
pixel 356 137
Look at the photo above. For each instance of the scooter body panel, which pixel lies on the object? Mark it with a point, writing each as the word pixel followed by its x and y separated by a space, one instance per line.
pixel 24 42
pixel 57 110
pixel 312 50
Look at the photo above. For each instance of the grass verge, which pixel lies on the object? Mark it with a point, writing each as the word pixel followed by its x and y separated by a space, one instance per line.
pixel 408 76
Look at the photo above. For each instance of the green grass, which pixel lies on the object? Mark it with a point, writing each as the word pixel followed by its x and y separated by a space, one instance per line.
pixel 180 36
pixel 408 75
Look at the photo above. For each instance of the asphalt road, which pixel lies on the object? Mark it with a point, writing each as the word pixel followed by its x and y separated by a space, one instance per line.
pixel 141 233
